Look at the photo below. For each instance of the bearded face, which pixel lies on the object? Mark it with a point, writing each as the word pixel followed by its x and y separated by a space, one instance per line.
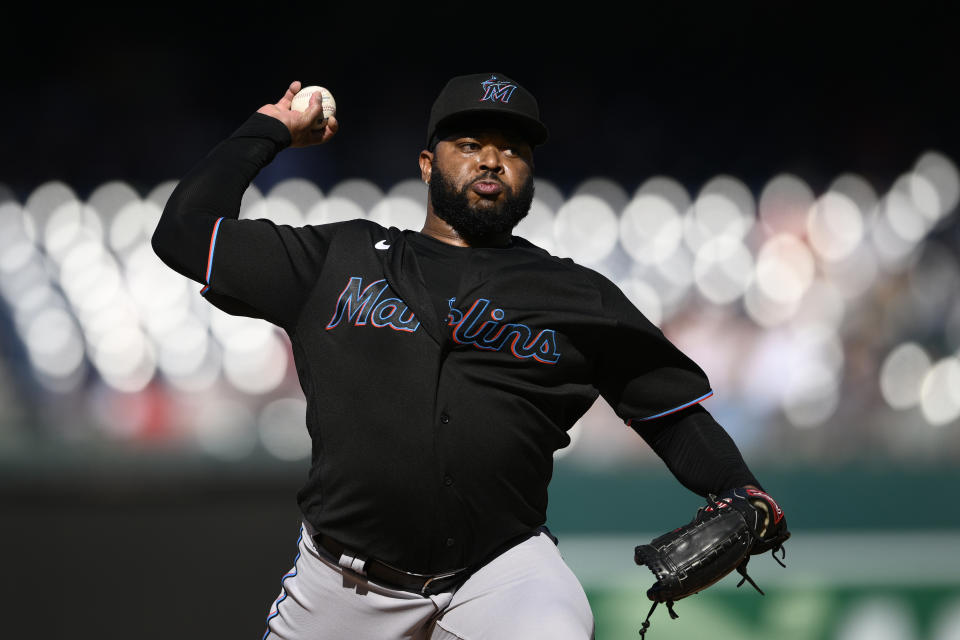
pixel 475 217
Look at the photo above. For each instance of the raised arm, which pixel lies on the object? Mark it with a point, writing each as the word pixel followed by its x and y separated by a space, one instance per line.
pixel 214 187
pixel 249 267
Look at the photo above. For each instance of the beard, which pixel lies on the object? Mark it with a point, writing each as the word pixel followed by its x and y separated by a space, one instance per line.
pixel 481 222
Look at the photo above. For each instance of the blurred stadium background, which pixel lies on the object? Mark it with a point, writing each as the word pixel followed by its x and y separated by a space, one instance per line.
pixel 777 191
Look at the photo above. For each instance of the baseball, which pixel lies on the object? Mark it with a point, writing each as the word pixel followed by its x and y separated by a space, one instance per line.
pixel 302 100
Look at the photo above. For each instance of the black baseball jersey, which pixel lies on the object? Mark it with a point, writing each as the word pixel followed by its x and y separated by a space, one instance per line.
pixel 433 433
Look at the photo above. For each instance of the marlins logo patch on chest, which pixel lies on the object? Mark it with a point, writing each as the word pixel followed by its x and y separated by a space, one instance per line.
pixel 481 326
pixel 489 331
pixel 375 303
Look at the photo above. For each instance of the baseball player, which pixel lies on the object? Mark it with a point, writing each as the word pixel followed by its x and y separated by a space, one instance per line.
pixel 442 370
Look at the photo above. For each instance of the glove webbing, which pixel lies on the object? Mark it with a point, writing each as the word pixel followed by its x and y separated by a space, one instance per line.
pixel 646 623
pixel 742 570
pixel 783 554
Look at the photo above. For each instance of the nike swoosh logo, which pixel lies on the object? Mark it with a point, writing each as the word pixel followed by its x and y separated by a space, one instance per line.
pixel 382 244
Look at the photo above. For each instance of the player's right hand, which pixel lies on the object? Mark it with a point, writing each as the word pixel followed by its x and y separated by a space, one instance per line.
pixel 301 124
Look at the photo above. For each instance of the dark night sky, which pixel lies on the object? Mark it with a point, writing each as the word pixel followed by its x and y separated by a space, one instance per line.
pixel 747 91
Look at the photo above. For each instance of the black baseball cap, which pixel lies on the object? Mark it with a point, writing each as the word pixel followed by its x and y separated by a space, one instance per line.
pixel 485 98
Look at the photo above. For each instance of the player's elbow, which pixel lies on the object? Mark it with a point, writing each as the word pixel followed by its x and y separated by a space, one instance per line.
pixel 174 242
pixel 164 239
pixel 159 248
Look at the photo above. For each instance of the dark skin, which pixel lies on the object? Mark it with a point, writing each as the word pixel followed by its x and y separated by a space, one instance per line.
pixel 302 126
pixel 485 161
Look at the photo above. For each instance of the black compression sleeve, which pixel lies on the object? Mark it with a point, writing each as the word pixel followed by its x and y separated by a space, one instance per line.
pixel 698 451
pixel 213 189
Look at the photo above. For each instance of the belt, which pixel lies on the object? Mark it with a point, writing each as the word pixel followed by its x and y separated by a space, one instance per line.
pixel 388 575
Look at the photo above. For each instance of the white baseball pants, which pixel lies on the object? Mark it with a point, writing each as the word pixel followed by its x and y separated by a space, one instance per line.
pixel 526 592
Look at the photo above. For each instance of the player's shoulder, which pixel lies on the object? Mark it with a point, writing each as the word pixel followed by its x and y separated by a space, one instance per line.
pixel 526 250
pixel 564 265
pixel 358 230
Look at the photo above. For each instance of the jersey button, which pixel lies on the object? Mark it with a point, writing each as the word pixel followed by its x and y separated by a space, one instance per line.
pixel 447 480
pixel 444 418
pixel 451 542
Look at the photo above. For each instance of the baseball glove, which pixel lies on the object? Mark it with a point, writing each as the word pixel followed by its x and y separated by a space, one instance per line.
pixel 720 538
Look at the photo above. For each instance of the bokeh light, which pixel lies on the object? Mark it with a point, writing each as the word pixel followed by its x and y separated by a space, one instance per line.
pixel 854 274
pixel 722 269
pixel 891 247
pixel 764 310
pixel 934 185
pixel 673 278
pixel 902 214
pixel 834 226
pixel 69 224
pixel 54 345
pixel 91 303
pixel 586 229
pixel 940 392
pixel 334 209
pixel 283 431
pixel 858 189
pixel 785 269
pixel 254 358
pixel 644 297
pixel 877 618
pixel 723 208
pixel 901 374
pixel 224 428
pixel 363 193
pixel 403 207
pixel 605 189
pixel 823 304
pixel 128 228
pixel 651 228
pixel 784 203
pixel 184 350
pixel 537 226
pixel 277 209
pixel 124 357
pixel 299 192
pixel 811 395
pixel 813 366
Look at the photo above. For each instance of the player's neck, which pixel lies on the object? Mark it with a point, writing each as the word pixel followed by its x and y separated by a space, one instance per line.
pixel 439 229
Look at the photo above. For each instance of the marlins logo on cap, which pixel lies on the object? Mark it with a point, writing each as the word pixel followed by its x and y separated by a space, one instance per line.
pixel 494 89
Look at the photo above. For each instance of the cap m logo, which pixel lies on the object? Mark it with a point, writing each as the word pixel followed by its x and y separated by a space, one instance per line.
pixel 494 90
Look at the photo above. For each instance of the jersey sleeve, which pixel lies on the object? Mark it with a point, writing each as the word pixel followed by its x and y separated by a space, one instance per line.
pixel 640 373
pixel 259 269
pixel 248 267
pixel 697 451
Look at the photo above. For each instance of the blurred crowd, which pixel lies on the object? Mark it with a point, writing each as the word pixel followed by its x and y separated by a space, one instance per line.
pixel 829 324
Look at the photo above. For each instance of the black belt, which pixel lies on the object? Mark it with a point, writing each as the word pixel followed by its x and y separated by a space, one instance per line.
pixel 388 575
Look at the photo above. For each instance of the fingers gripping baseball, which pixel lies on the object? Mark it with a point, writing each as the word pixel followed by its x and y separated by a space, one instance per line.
pixel 287 99
pixel 302 125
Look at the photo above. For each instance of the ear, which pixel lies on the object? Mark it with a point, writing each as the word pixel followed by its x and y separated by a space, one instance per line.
pixel 426 165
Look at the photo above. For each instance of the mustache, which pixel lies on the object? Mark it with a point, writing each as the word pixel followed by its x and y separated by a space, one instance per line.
pixel 489 176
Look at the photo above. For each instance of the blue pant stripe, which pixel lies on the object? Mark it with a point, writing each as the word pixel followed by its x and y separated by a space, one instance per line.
pixel 283 590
